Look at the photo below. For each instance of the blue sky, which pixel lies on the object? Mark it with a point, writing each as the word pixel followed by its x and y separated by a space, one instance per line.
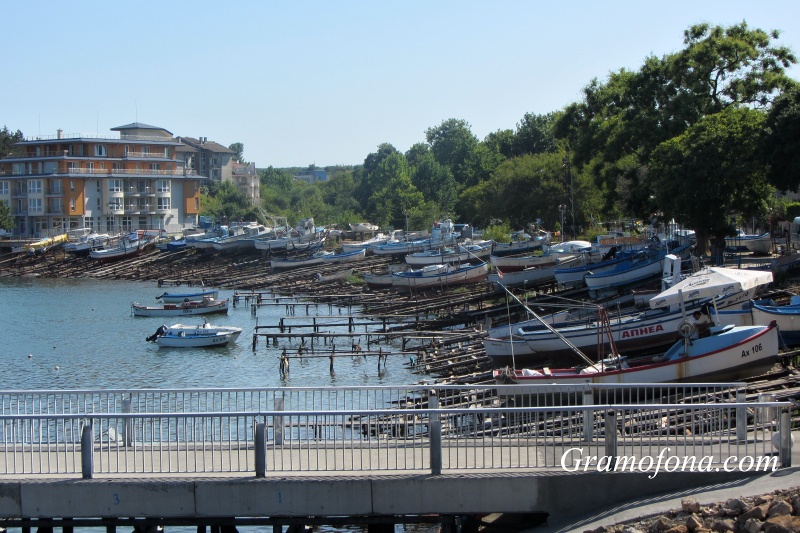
pixel 325 82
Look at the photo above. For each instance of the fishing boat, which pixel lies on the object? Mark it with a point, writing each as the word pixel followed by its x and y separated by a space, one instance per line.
pixel 363 227
pixel 203 307
pixel 86 242
pixel 128 245
pixel 522 243
pixel 762 312
pixel 573 276
pixel 640 331
pixel 646 264
pixel 755 244
pixel 201 335
pixel 196 296
pixel 377 240
pixel 514 263
pixel 462 253
pixel 531 275
pixel 346 257
pixel 439 276
pixel 730 353
pixel 299 262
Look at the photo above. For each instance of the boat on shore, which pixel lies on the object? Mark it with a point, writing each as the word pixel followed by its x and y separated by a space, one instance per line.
pixel 461 253
pixel 729 353
pixel 531 275
pixel 86 242
pixel 759 313
pixel 346 257
pixel 439 276
pixel 203 307
pixel 756 244
pixel 126 246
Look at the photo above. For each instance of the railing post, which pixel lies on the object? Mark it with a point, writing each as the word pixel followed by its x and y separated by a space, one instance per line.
pixel 435 431
pixel 277 422
pixel 87 450
pixel 588 416
pixel 611 437
pixel 741 417
pixel 260 438
pixel 786 437
pixel 127 425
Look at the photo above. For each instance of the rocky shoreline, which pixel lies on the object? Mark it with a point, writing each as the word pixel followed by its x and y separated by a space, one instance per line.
pixel 775 512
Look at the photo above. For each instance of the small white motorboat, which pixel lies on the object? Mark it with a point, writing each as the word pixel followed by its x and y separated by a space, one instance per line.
pixel 201 335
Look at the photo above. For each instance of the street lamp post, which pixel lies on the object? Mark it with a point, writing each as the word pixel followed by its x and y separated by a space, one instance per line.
pixel 561 208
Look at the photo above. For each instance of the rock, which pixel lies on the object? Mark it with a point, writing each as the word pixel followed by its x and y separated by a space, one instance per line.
pixel 690 505
pixel 779 508
pixel 660 525
pixel 766 498
pixel 736 504
pixel 693 523
pixel 677 529
pixel 724 525
pixel 758 512
pixel 752 525
pixel 782 524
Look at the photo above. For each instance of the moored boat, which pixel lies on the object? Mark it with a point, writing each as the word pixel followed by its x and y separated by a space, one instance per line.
pixel 187 335
pixel 126 246
pixel 439 276
pixel 196 296
pixel 202 307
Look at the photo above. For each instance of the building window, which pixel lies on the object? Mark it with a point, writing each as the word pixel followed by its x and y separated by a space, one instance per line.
pixel 127 224
pixel 18 169
pixel 34 205
pixel 98 185
pixel 35 187
pixel 114 185
pixel 100 150
pixel 55 205
pixel 155 167
pixel 72 204
pixel 50 167
pixel 3 188
pixel 99 204
pixel 145 151
pixel 72 185
pixel 197 204
pixel 163 204
pixel 162 185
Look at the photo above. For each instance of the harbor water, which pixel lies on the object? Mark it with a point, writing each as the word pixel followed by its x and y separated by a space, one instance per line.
pixel 80 334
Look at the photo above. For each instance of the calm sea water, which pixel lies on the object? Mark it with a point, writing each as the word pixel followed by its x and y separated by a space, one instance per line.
pixel 80 334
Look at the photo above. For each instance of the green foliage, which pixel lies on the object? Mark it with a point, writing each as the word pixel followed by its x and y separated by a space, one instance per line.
pixel 497 232
pixel 792 211
pixel 709 172
pixel 781 146
pixel 238 152
pixel 6 217
pixel 7 141
pixel 228 202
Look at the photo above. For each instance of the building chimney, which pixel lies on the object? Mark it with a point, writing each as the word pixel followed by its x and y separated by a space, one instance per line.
pixel 59 133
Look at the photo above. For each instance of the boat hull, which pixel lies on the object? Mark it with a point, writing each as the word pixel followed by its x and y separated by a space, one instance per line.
pixel 736 353
pixel 186 308
pixel 196 340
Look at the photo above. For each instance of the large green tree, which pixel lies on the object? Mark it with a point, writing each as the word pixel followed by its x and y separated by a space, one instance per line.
pixel 781 148
pixel 711 173
pixel 620 122
pixel 7 141
pixel 452 142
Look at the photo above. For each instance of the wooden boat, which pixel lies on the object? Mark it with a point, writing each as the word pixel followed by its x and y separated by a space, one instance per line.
pixel 639 331
pixel 203 307
pixel 382 278
pixel 514 263
pixel 521 243
pixel 346 257
pixel 196 296
pixel 186 336
pixel 759 313
pixel 363 227
pixel 377 240
pixel 433 276
pixel 755 244
pixel 530 275
pixel 126 246
pixel 644 265
pixel 459 254
pixel 287 263
pixel 572 276
pixel 87 242
pixel 731 353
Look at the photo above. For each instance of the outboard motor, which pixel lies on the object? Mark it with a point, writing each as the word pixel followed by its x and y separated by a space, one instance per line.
pixel 160 332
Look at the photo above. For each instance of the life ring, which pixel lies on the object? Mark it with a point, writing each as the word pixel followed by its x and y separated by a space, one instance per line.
pixel 686 329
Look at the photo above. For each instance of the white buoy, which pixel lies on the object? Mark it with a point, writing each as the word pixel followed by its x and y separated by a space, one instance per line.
pixel 58 367
pixel 776 440
pixel 30 356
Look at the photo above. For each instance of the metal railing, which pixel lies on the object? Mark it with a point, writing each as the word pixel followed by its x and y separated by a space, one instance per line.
pixel 385 429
